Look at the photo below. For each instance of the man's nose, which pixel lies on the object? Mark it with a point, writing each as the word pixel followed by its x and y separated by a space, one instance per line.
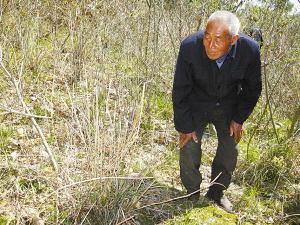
pixel 212 43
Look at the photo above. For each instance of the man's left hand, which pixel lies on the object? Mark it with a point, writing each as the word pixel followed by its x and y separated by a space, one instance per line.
pixel 236 130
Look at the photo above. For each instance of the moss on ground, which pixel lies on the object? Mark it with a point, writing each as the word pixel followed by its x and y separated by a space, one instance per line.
pixel 205 215
pixel 3 221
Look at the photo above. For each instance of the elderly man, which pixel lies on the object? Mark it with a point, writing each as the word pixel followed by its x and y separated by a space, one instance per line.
pixel 217 80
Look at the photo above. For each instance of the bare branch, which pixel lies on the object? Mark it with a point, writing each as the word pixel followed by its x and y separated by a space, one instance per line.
pixel 28 112
pixel 3 107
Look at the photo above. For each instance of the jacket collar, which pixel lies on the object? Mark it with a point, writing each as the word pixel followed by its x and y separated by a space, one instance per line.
pixel 232 52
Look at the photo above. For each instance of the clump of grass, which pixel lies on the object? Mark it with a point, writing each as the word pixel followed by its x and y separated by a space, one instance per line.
pixel 102 72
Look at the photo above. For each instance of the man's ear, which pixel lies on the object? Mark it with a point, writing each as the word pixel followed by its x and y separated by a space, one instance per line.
pixel 234 40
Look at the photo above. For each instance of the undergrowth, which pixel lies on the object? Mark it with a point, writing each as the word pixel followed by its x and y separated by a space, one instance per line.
pixel 97 77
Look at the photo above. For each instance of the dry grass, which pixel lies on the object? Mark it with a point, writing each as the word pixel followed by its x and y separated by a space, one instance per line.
pixel 102 71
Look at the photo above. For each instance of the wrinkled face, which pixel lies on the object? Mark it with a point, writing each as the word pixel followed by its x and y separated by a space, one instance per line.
pixel 217 40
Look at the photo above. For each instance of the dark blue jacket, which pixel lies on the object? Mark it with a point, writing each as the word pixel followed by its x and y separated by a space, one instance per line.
pixel 199 84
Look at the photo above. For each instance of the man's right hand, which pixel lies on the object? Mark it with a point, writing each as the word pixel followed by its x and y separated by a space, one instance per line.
pixel 184 138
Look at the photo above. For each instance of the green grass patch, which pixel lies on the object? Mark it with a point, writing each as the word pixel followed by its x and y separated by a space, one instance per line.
pixel 206 215
pixel 3 221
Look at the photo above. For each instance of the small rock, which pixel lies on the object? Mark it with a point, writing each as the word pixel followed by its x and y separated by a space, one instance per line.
pixel 270 220
pixel 20 131
pixel 14 156
pixel 36 220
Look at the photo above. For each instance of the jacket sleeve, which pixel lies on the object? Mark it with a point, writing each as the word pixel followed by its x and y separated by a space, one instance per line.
pixel 251 89
pixel 182 88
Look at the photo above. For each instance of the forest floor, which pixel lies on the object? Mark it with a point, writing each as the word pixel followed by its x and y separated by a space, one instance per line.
pixel 163 203
pixel 29 186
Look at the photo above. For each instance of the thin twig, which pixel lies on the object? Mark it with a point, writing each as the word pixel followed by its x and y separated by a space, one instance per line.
pixel 242 217
pixel 102 178
pixel 140 196
pixel 125 220
pixel 28 111
pixel 136 125
pixel 23 114
pixel 291 215
pixel 173 199
pixel 170 200
pixel 170 35
pixel 269 103
pixel 295 119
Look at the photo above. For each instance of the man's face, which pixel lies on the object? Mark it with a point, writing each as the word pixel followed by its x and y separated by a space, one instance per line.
pixel 217 40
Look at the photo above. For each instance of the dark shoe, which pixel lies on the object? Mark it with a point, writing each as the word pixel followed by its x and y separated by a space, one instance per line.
pixel 223 203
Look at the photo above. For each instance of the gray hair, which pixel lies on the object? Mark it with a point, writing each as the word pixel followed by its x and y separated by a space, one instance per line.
pixel 228 19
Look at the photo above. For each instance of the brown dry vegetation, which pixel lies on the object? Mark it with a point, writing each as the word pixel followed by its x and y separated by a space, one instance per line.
pixel 98 77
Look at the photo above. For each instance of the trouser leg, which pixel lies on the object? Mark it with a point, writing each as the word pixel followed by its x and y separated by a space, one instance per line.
pixel 226 156
pixel 190 159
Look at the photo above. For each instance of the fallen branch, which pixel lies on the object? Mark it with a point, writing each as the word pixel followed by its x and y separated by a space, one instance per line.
pixel 124 221
pixel 23 114
pixel 15 83
pixel 170 200
pixel 173 199
pixel 102 178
